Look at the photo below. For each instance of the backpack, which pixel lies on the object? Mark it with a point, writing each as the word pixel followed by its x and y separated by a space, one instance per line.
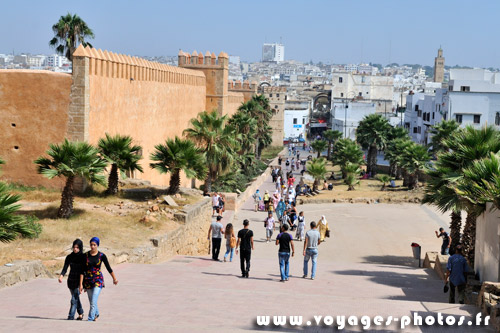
pixel 232 242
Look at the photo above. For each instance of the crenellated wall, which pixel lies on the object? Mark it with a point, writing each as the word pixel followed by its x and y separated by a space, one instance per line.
pixel 117 94
pixel 247 89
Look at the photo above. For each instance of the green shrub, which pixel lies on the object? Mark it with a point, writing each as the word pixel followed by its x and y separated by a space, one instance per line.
pixel 33 225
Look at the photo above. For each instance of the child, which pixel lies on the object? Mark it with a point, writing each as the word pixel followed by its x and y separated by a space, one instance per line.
pixel 75 261
pixel 301 227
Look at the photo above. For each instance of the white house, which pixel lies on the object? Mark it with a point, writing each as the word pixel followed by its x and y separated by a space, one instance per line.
pixel 472 98
pixel 346 115
pixel 296 118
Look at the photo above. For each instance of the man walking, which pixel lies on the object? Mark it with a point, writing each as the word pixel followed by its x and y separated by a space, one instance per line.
pixel 311 250
pixel 455 272
pixel 445 247
pixel 256 199
pixel 215 203
pixel 245 242
pixel 269 224
pixel 217 229
pixel 285 241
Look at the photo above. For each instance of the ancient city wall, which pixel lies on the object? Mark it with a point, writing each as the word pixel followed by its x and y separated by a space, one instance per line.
pixel 118 94
pixel 33 113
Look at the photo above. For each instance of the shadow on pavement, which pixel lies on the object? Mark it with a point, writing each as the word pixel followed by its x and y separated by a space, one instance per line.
pixel 237 276
pixel 392 260
pixel 36 317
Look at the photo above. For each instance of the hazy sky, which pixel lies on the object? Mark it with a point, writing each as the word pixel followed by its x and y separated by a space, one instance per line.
pixel 380 31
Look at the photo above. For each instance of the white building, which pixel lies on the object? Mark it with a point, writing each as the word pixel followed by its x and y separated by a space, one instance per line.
pixel 273 52
pixel 346 116
pixel 296 118
pixel 36 61
pixel 55 60
pixel 472 98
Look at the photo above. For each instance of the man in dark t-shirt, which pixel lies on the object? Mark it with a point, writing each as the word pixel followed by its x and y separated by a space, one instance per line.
pixel 245 243
pixel 285 241
pixel 445 247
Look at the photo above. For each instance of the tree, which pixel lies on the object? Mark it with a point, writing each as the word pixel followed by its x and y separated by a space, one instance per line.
pixel 178 155
pixel 395 135
pixel 461 150
pixel 345 151
pixel 317 169
pixel 216 140
pixel 70 31
pixel 394 154
pixel 352 175
pixel 246 129
pixel 331 136
pixel 71 160
pixel 384 179
pixel 372 134
pixel 414 160
pixel 319 146
pixel 258 109
pixel 11 225
pixel 118 151
pixel 440 132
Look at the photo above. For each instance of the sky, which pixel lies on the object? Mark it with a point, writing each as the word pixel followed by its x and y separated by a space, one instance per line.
pixel 331 31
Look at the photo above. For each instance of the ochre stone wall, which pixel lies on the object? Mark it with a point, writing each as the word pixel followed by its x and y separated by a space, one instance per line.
pixel 33 113
pixel 235 99
pixel 130 96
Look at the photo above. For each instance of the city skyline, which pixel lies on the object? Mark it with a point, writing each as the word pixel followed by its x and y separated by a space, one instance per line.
pixel 379 32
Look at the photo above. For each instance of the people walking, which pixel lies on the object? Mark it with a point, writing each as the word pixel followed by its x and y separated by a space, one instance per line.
pixel 455 273
pixel 301 225
pixel 92 277
pixel 256 199
pixel 445 247
pixel 269 224
pixel 245 243
pixel 74 261
pixel 285 242
pixel 311 243
pixel 230 241
pixel 267 198
pixel 280 159
pixel 216 229
pixel 222 203
pixel 215 203
pixel 323 228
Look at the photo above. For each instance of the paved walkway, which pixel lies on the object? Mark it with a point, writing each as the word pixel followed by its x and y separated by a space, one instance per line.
pixel 365 269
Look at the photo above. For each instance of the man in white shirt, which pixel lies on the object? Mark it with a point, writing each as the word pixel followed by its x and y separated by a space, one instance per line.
pixel 217 230
pixel 269 226
pixel 215 203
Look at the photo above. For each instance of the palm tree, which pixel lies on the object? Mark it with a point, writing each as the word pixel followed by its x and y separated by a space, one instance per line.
pixel 414 160
pixel 11 225
pixel 258 108
pixel 395 135
pixel 482 181
pixel 70 31
pixel 319 146
pixel 216 140
pixel 440 132
pixel 317 169
pixel 120 153
pixel 345 151
pixel 352 175
pixel 372 134
pixel 394 154
pixel 178 155
pixel 331 136
pixel 384 179
pixel 246 128
pixel 71 160
pixel 461 150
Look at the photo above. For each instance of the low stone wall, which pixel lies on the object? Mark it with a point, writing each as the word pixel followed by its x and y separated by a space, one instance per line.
pixel 188 239
pixel 257 183
pixel 21 271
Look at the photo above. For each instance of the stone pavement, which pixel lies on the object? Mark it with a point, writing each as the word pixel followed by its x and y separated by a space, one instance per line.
pixel 364 269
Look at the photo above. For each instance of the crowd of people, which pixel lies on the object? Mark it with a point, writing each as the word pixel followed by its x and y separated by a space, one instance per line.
pixel 282 215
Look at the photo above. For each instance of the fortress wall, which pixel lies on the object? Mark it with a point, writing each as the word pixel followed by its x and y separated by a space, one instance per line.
pixel 235 99
pixel 149 101
pixel 33 113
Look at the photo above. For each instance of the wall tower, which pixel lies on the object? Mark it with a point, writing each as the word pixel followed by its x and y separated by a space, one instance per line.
pixel 439 67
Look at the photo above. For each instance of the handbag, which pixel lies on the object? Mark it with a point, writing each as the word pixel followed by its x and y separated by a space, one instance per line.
pixel 327 233
pixel 232 242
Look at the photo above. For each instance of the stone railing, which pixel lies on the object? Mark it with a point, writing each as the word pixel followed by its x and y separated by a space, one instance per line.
pixel 21 271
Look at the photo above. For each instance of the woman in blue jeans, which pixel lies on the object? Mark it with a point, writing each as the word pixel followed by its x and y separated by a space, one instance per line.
pixel 74 261
pixel 92 279
pixel 228 234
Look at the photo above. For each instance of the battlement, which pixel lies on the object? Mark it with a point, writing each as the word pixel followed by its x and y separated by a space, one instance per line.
pixel 197 60
pixel 267 90
pixel 237 85
pixel 113 65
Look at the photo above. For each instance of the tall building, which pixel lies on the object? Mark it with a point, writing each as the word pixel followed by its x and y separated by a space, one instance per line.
pixel 273 52
pixel 439 67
